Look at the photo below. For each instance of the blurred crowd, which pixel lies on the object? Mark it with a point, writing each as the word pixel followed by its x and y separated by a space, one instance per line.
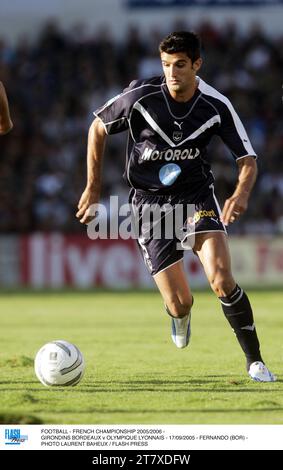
pixel 55 83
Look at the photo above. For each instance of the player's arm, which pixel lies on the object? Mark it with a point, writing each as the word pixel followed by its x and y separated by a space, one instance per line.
pixel 237 204
pixel 5 120
pixel 95 150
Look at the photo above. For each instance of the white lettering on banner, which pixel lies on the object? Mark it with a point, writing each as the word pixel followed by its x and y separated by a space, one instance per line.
pixel 119 267
pixel 56 260
pixel 83 265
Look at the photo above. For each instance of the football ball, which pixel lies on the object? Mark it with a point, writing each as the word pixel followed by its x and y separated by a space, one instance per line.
pixel 59 363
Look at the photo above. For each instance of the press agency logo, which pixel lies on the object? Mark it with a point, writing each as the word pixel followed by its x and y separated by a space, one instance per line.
pixel 13 437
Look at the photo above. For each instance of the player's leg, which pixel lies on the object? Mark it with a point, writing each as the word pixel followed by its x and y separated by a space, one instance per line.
pixel 164 260
pixel 213 251
pixel 178 300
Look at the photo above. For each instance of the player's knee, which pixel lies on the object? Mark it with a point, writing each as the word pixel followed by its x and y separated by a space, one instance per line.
pixel 222 283
pixel 179 307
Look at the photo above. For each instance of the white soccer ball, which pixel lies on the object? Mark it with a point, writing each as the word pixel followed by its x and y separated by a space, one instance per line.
pixel 59 363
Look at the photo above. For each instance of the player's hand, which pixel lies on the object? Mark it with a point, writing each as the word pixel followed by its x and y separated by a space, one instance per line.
pixel 234 207
pixel 87 205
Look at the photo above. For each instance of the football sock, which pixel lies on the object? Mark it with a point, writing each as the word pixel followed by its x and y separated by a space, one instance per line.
pixel 238 311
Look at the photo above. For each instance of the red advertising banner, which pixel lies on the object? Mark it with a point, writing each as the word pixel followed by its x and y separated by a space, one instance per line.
pixel 55 261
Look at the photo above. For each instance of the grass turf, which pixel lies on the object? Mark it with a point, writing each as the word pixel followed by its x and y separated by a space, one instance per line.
pixel 134 373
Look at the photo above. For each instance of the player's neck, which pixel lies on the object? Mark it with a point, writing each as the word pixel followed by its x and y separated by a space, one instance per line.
pixel 186 95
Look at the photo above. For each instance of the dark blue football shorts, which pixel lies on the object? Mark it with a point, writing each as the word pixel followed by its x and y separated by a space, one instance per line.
pixel 166 225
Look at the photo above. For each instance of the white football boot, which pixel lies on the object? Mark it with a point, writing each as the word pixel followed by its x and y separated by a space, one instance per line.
pixel 259 372
pixel 181 330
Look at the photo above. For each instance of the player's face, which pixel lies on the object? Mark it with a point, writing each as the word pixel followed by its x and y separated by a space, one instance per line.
pixel 179 72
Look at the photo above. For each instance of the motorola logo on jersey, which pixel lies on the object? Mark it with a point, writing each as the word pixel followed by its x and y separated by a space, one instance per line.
pixel 169 154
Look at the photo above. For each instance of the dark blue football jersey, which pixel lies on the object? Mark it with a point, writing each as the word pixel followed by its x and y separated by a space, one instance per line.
pixel 167 140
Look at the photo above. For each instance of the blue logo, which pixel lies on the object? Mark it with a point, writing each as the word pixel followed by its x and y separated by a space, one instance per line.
pixel 169 173
pixel 13 437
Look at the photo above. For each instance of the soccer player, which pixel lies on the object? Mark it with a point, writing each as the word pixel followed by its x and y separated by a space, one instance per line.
pixel 170 120
pixel 5 120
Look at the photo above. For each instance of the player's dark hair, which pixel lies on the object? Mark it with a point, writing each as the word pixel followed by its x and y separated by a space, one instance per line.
pixel 182 41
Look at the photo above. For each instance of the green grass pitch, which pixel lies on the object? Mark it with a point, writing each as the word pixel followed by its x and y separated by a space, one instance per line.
pixel 134 373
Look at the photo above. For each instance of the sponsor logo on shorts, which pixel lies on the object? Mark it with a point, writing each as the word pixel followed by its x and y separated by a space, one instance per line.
pixel 200 214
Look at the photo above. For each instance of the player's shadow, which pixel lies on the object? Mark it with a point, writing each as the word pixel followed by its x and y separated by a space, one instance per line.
pixel 169 386
pixel 211 383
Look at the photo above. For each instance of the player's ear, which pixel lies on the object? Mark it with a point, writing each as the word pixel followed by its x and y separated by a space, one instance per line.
pixel 197 64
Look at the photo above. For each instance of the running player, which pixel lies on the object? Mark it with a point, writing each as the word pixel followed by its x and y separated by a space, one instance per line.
pixel 5 121
pixel 170 121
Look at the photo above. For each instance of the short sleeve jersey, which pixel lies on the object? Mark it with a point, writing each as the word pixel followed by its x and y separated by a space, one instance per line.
pixel 167 140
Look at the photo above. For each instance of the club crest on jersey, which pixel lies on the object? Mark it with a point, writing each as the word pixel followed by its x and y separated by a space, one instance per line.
pixel 177 136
